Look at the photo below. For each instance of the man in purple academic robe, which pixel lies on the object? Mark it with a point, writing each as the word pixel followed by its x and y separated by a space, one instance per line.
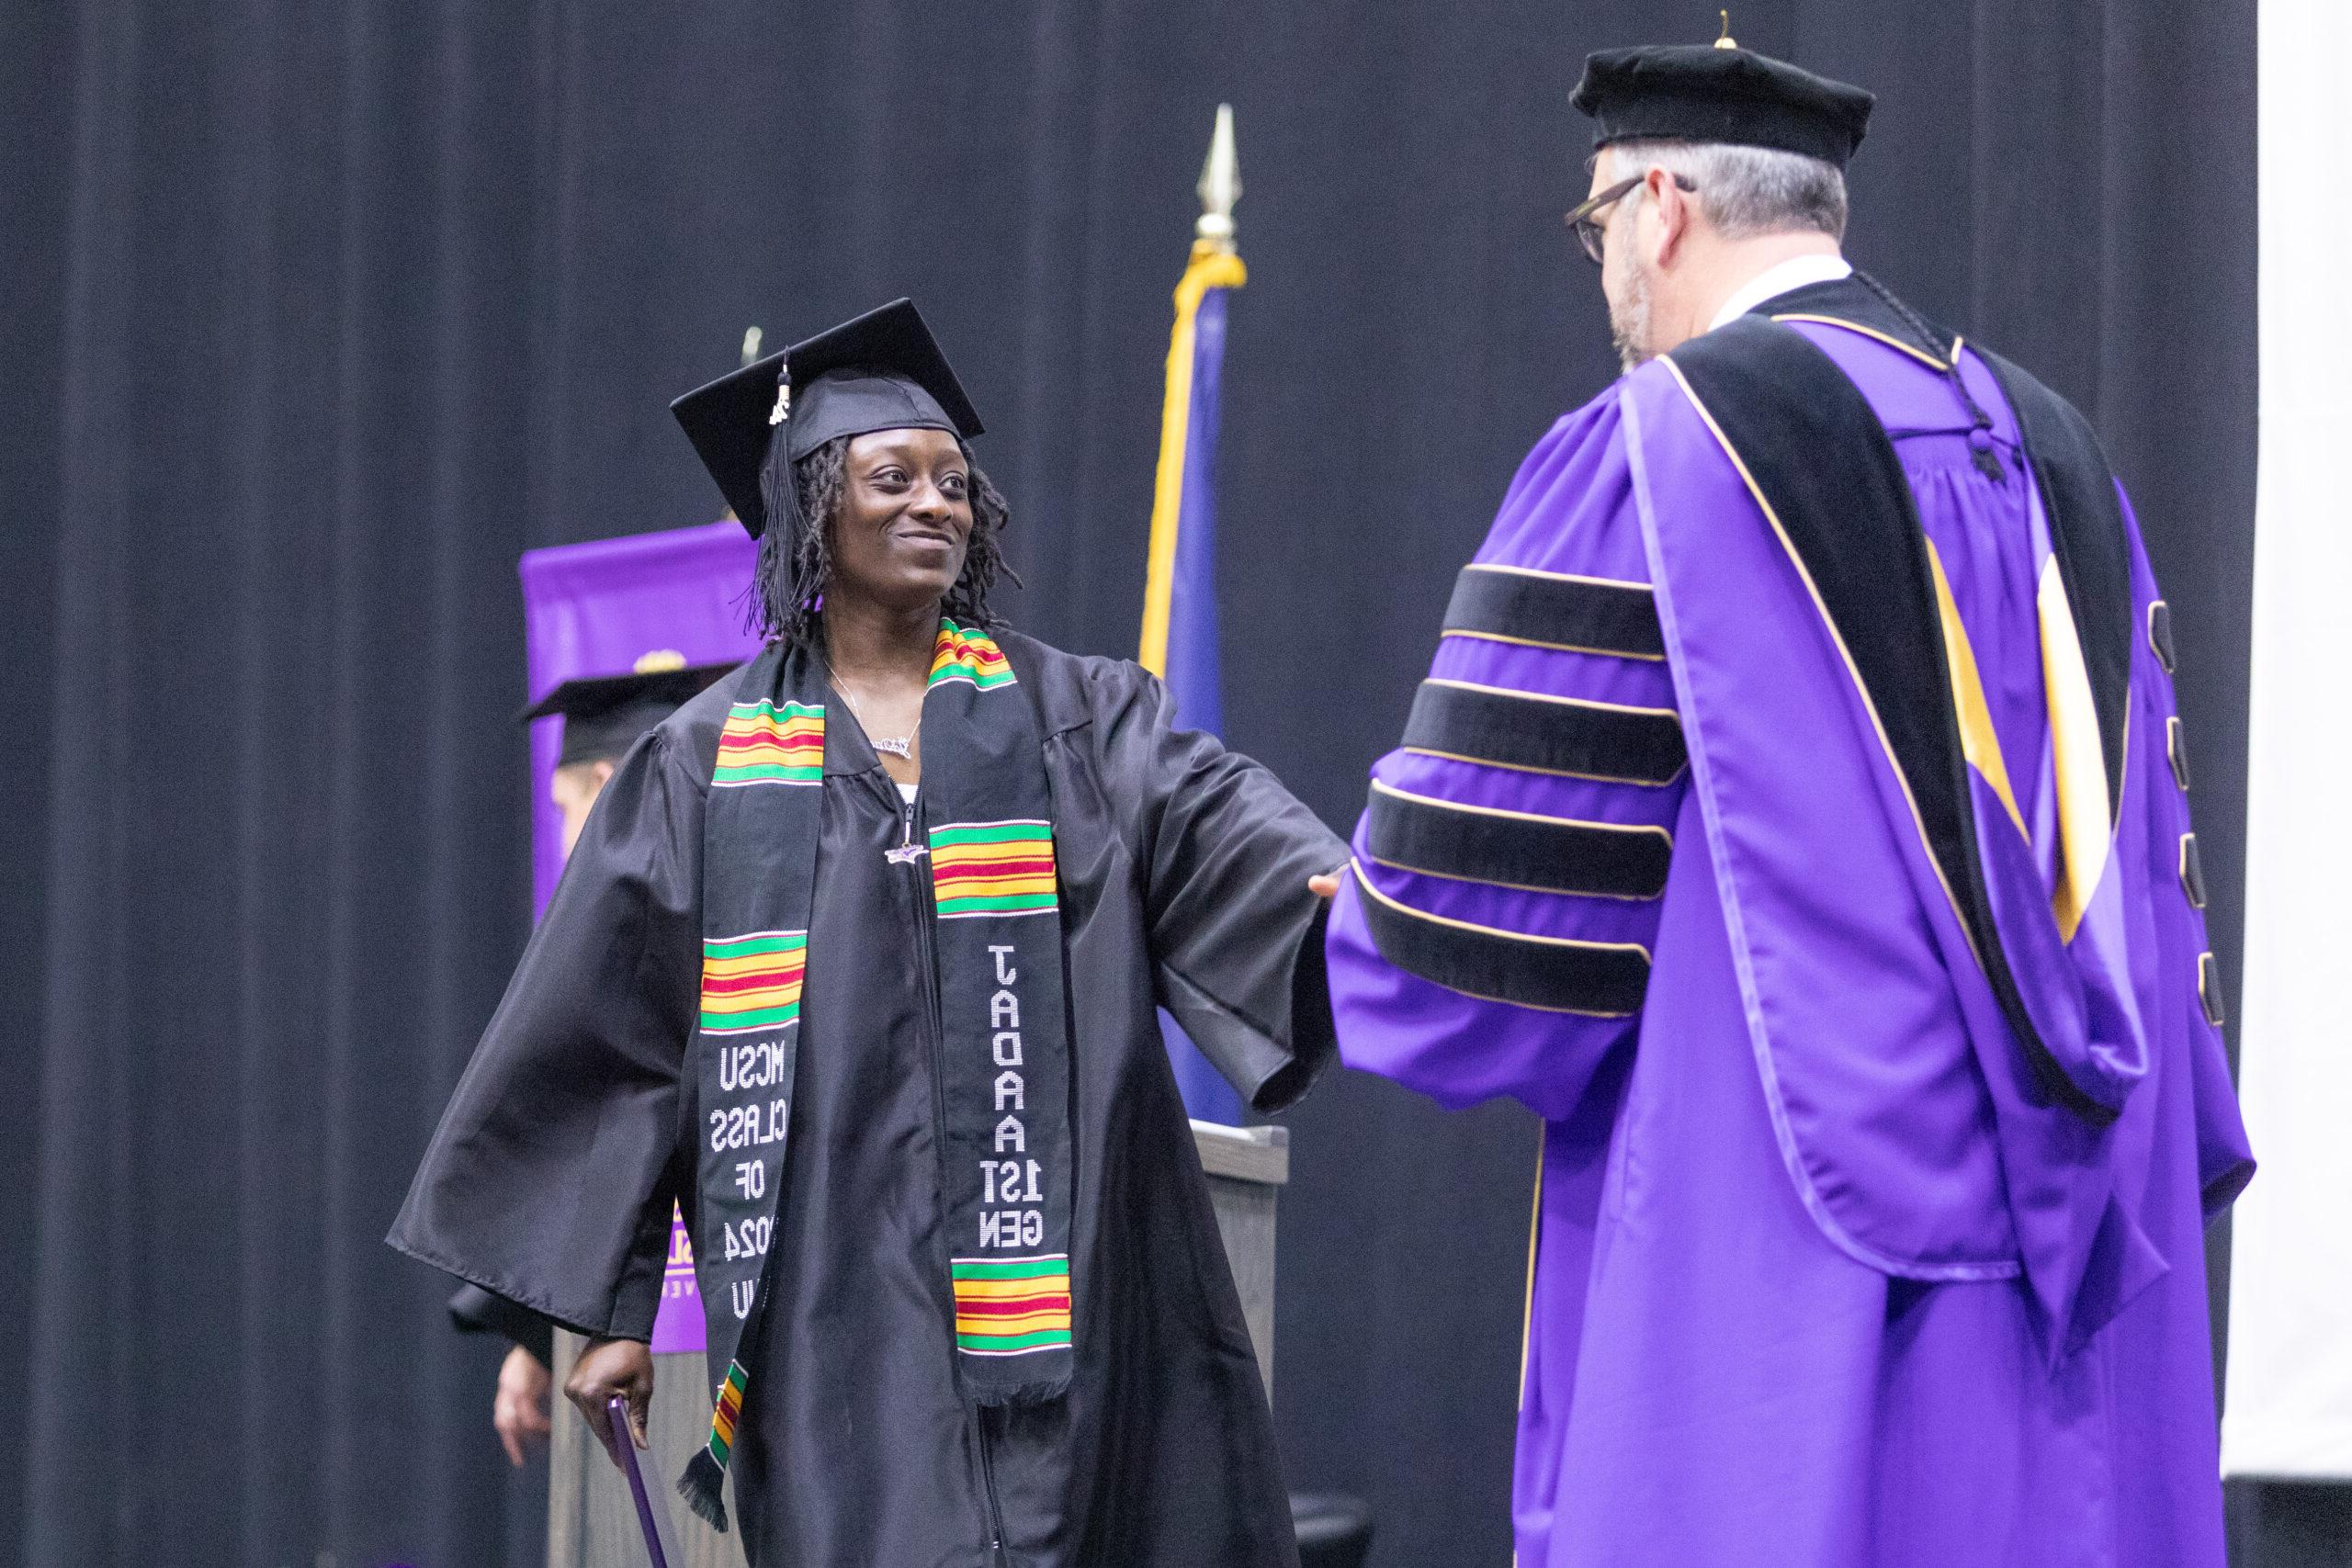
pixel 1795 817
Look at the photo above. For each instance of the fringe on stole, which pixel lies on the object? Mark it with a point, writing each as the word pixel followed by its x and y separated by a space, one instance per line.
pixel 703 1487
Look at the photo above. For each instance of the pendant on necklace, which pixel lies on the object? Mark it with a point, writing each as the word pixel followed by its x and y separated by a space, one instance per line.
pixel 901 748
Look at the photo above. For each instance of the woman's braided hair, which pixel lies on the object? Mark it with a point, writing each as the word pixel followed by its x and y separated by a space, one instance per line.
pixel 788 585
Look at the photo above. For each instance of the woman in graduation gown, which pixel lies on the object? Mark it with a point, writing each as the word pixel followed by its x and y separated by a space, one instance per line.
pixel 858 959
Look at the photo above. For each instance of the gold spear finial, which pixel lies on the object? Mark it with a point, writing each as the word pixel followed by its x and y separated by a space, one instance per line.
pixel 751 344
pixel 1220 185
pixel 1726 40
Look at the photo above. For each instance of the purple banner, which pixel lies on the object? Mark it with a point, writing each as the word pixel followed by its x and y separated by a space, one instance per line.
pixel 595 609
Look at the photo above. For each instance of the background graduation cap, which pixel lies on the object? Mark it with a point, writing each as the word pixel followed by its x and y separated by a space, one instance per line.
pixel 882 371
pixel 1721 91
pixel 603 715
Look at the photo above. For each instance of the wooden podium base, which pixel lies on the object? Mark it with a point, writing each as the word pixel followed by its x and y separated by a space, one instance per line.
pixel 592 1523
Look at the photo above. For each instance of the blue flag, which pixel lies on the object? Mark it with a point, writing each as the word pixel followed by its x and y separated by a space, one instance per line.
pixel 1180 590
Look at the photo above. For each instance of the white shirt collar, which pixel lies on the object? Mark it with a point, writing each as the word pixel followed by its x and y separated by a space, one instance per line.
pixel 1795 273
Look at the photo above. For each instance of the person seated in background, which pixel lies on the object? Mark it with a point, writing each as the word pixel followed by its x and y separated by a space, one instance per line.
pixel 857 959
pixel 603 716
pixel 1795 818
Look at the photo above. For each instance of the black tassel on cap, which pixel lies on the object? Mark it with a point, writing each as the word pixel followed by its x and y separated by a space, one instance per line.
pixel 780 556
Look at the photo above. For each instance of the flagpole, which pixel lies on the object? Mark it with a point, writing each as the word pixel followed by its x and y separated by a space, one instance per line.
pixel 1220 186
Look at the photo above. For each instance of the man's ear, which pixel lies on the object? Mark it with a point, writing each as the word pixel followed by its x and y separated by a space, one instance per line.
pixel 1674 213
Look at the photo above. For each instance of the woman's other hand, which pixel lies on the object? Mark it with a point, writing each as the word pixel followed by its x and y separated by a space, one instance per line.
pixel 520 1410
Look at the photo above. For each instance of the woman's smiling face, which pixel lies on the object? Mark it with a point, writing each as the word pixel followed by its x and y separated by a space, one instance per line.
pixel 905 518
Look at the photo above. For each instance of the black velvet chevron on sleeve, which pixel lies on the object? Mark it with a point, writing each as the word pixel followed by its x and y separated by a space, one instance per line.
pixel 1581 614
pixel 1546 735
pixel 1602 979
pixel 1510 848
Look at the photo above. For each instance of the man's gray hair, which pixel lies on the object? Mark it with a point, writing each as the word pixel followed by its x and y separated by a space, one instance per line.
pixel 1747 191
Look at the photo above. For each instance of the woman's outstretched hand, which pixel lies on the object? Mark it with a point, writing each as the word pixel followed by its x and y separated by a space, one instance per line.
pixel 609 1367
pixel 1327 885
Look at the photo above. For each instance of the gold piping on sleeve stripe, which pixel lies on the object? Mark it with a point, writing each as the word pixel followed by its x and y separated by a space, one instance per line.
pixel 1559 576
pixel 1553 647
pixel 1547 697
pixel 1389 789
pixel 1545 772
pixel 1477 929
pixel 1520 887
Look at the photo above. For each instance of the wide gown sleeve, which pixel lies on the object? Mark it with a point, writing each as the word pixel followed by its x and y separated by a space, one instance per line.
pixel 550 1178
pixel 1493 937
pixel 1237 937
pixel 473 1310
pixel 2183 1006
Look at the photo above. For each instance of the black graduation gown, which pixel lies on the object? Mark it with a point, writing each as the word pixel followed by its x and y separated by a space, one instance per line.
pixel 1183 869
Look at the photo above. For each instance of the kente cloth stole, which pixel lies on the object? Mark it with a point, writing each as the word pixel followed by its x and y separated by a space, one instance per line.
pixel 992 922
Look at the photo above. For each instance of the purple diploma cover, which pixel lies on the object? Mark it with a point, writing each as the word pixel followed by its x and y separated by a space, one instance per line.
pixel 624 1452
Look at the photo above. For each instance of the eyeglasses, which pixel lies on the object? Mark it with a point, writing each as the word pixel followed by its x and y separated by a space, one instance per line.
pixel 1591 230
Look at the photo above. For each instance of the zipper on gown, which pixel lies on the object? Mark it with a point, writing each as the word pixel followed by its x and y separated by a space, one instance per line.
pixel 911 855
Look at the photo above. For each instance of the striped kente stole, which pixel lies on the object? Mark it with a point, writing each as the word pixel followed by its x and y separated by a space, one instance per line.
pixel 993 925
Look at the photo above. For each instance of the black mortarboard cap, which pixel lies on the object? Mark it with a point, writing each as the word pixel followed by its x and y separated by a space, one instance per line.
pixel 882 371
pixel 603 715
pixel 1718 93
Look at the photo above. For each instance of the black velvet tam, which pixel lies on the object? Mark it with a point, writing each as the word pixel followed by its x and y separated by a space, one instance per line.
pixel 882 371
pixel 1699 93
pixel 603 715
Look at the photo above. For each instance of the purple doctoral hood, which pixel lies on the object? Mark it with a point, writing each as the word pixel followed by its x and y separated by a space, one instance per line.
pixel 1918 1136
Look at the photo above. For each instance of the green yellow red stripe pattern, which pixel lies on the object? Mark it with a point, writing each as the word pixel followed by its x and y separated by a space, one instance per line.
pixel 764 742
pixel 1012 1306
pixel 752 982
pixel 992 868
pixel 961 655
pixel 723 1416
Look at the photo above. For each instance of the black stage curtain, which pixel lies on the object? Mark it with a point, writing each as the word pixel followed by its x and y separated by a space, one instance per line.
pixel 318 315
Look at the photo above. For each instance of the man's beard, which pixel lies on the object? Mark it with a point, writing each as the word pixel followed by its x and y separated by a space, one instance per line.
pixel 1629 323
